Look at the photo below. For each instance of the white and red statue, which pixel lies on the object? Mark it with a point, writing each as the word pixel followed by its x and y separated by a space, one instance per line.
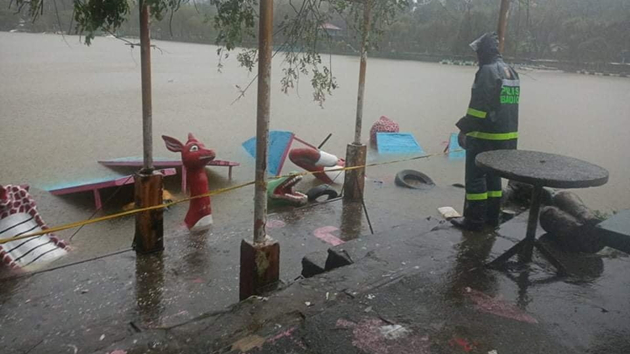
pixel 19 217
pixel 195 157
pixel 326 165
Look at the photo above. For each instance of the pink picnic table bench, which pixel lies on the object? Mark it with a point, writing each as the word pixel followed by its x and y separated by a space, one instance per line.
pixel 166 162
pixel 96 186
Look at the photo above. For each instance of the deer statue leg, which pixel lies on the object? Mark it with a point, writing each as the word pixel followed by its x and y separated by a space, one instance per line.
pixel 199 216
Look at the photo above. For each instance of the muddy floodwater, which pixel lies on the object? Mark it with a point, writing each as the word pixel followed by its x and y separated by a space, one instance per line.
pixel 64 106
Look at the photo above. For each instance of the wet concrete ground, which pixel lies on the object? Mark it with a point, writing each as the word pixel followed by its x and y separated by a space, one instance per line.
pixel 432 284
pixel 196 273
pixel 420 293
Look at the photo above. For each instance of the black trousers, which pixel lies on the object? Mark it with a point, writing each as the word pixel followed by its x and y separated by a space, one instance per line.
pixel 483 190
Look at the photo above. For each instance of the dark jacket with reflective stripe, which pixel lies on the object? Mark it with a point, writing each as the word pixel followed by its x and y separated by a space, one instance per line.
pixel 493 109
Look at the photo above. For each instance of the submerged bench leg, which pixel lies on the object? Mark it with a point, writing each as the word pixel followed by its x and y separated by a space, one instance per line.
pixel 230 172
pixel 97 199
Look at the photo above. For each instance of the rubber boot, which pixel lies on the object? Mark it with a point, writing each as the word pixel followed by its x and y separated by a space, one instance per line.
pixel 467 224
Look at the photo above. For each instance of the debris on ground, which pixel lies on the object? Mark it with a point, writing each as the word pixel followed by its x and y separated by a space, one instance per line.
pixel 448 212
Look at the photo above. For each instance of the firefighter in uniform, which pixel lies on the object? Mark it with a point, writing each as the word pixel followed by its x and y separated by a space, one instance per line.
pixel 491 123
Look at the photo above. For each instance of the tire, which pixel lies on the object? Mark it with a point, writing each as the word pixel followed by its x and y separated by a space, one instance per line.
pixel 414 180
pixel 324 190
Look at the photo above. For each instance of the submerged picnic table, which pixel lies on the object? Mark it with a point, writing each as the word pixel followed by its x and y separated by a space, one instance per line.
pixel 540 170
pixel 95 186
pixel 166 162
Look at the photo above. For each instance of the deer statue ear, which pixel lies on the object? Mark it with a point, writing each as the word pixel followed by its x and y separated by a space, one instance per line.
pixel 191 137
pixel 173 144
pixel 3 193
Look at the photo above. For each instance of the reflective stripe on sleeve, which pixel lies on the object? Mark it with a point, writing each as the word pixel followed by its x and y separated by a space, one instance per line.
pixel 493 136
pixel 475 113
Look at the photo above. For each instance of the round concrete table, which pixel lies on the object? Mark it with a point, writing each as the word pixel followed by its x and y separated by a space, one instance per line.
pixel 540 170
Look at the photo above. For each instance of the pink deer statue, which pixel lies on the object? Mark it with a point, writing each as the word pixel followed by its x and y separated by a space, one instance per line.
pixel 195 156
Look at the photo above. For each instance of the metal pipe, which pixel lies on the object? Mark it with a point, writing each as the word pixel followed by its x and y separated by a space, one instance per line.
pixel 532 224
pixel 147 113
pixel 367 15
pixel 503 17
pixel 324 142
pixel 262 118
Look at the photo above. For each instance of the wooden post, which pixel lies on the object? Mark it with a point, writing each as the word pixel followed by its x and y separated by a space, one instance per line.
pixel 503 18
pixel 262 118
pixel 260 259
pixel 354 180
pixel 367 13
pixel 148 183
pixel 149 224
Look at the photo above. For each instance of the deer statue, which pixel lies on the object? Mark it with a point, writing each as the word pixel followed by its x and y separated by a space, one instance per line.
pixel 195 156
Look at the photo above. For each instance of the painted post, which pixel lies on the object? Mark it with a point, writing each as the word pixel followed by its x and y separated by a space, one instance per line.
pixel 260 259
pixel 356 152
pixel 503 18
pixel 148 183
pixel 149 224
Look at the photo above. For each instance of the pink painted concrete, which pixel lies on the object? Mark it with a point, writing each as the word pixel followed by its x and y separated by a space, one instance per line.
pixel 325 234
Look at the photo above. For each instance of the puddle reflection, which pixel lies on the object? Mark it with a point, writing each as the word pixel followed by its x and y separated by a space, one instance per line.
pixel 150 288
pixel 351 221
pixel 197 256
pixel 469 270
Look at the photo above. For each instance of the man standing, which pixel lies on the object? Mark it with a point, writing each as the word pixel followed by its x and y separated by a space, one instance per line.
pixel 491 123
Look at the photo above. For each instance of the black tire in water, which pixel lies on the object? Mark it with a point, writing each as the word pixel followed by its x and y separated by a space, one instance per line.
pixel 414 180
pixel 315 194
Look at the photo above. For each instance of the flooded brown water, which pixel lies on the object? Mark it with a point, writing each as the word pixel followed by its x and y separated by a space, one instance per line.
pixel 63 106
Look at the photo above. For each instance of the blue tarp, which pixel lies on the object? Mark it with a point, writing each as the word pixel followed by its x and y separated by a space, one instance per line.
pixel 455 152
pixel 279 143
pixel 397 143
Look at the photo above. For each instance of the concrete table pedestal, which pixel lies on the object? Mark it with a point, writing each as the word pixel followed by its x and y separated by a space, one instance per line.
pixel 540 170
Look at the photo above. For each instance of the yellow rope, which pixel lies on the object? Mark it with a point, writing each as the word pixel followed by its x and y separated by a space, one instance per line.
pixel 211 193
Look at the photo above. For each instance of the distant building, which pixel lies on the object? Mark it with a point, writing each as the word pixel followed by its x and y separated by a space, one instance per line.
pixel 332 30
